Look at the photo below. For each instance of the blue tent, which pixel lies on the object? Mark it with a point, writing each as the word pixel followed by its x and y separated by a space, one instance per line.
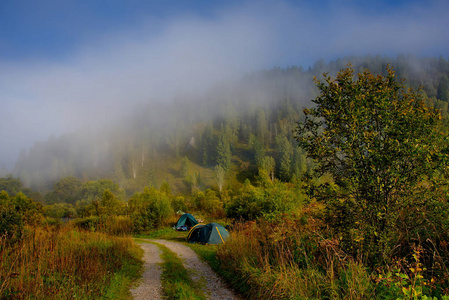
pixel 186 220
pixel 211 233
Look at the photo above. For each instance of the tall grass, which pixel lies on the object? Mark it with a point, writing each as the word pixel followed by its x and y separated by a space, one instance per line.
pixel 289 259
pixel 64 262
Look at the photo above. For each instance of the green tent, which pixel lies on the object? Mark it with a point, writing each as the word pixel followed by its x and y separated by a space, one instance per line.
pixel 186 220
pixel 211 233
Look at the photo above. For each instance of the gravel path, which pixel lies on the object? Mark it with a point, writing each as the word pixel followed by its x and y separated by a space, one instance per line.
pixel 215 289
pixel 150 286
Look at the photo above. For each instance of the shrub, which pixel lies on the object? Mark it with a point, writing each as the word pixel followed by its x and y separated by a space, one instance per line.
pixel 90 223
pixel 15 212
pixel 209 202
pixel 179 204
pixel 149 209
pixel 270 201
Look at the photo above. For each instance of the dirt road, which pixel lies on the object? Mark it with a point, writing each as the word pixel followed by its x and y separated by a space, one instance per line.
pixel 150 287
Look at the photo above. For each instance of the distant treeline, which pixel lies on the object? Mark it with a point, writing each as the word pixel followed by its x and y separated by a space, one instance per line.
pixel 238 126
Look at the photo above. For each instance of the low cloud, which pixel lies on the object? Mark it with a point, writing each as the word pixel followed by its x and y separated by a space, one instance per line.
pixel 161 59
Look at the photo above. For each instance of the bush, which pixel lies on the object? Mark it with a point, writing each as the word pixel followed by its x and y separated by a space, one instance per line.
pixel 149 209
pixel 179 204
pixel 90 223
pixel 59 210
pixel 270 201
pixel 11 224
pixel 209 202
pixel 15 212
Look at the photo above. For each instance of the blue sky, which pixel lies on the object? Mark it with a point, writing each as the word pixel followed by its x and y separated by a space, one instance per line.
pixel 64 61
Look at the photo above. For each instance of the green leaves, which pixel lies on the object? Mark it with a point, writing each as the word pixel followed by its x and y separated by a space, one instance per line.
pixel 376 139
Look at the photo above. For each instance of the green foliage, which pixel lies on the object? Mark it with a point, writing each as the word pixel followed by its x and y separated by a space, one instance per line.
pixel 71 189
pixel 11 221
pixel 149 209
pixel 109 204
pixel 257 150
pixel 269 166
pixel 90 223
pixel 224 153
pixel 15 212
pixel 94 189
pixel 209 202
pixel 66 190
pixel 378 141
pixel 269 201
pixel 165 188
pixel 60 210
pixel 285 153
pixel 10 185
pixel 246 204
pixel 179 204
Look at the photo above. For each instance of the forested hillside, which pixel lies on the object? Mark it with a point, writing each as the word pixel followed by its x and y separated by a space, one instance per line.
pixel 219 138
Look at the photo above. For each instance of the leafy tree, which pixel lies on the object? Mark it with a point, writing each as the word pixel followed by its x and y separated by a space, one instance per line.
pixel 165 188
pixel 15 212
pixel 10 185
pixel 246 204
pixel 270 201
pixel 67 190
pixel 29 209
pixel 94 189
pixel 208 201
pixel 11 221
pixel 378 141
pixel 179 204
pixel 13 186
pixel 59 210
pixel 110 205
pixel 149 209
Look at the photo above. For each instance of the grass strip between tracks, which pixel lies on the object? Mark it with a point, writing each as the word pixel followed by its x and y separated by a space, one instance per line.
pixel 176 282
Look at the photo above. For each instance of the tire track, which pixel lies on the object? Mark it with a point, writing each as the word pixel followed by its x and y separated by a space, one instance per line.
pixel 214 287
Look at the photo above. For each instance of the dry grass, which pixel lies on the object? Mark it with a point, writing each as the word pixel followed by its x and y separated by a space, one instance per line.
pixel 54 263
pixel 290 260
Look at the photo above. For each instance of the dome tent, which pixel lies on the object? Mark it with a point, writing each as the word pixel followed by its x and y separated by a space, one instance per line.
pixel 211 233
pixel 186 220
